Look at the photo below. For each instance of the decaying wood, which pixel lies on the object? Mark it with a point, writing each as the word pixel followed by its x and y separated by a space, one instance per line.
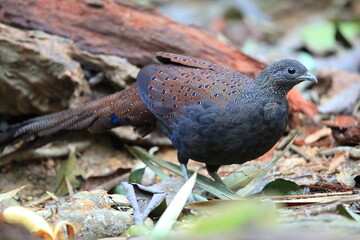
pixel 123 29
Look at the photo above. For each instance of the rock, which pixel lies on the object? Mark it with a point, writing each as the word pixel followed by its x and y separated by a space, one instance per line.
pixel 92 217
pixel 37 73
pixel 42 73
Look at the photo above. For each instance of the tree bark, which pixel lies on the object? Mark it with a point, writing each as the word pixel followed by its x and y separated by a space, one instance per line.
pixel 123 29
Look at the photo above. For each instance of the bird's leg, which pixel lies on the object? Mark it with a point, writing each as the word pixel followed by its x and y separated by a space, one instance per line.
pixel 186 178
pixel 212 172
pixel 183 163
pixel 184 171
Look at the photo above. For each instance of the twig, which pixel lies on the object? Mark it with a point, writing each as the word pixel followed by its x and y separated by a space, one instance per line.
pixel 300 152
pixel 317 195
pixel 41 153
pixel 43 199
pixel 335 150
pixel 286 140
pixel 113 182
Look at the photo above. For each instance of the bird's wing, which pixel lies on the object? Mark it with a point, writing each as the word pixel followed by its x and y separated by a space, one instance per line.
pixel 177 59
pixel 167 89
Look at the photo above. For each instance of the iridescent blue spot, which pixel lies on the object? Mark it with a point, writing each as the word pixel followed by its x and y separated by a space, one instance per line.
pixel 187 81
pixel 224 90
pixel 174 98
pixel 150 88
pixel 208 77
pixel 163 100
pixel 184 59
pixel 163 91
pixel 185 94
pixel 174 106
pixel 193 94
pixel 215 95
pixel 200 86
pixel 175 78
pixel 183 74
pixel 160 71
pixel 182 87
pixel 207 86
pixel 210 65
pixel 196 61
pixel 194 78
pixel 198 102
pixel 163 84
pixel 175 57
pixel 234 91
pixel 153 78
pixel 171 91
pixel 115 120
pixel 167 78
pixel 213 83
pixel 189 89
pixel 218 80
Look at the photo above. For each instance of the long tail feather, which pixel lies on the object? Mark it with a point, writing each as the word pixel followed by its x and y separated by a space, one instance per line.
pixel 121 108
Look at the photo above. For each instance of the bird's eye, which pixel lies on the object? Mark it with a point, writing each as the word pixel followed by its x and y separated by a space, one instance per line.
pixel 291 70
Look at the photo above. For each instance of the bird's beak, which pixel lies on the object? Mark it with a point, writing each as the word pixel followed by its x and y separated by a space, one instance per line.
pixel 308 77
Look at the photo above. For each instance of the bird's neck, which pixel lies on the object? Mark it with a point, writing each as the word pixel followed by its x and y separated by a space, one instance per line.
pixel 267 86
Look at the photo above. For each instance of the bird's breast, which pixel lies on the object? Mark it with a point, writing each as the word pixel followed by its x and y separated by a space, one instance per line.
pixel 234 134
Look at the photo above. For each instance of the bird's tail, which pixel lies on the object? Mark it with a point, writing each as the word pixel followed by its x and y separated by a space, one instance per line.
pixel 121 108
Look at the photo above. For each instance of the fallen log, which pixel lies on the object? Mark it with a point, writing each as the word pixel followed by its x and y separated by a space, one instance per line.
pixel 122 29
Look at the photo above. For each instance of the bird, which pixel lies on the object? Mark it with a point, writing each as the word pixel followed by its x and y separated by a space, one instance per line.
pixel 211 114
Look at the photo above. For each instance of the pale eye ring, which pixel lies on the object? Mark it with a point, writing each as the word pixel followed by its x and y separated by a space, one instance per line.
pixel 291 70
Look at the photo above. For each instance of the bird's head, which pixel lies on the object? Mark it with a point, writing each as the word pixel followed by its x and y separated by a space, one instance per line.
pixel 284 74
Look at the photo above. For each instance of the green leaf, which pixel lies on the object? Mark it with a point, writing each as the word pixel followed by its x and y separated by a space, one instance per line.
pixel 204 182
pixel 9 195
pixel 281 187
pixel 67 168
pixel 259 178
pixel 119 189
pixel 344 211
pixel 233 216
pixel 136 230
pixel 349 29
pixel 319 37
pixel 146 158
pixel 137 175
pixel 171 214
pixel 241 177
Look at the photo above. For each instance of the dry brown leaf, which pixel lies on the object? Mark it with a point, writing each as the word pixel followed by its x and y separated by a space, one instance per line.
pixel 337 160
pixel 324 132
